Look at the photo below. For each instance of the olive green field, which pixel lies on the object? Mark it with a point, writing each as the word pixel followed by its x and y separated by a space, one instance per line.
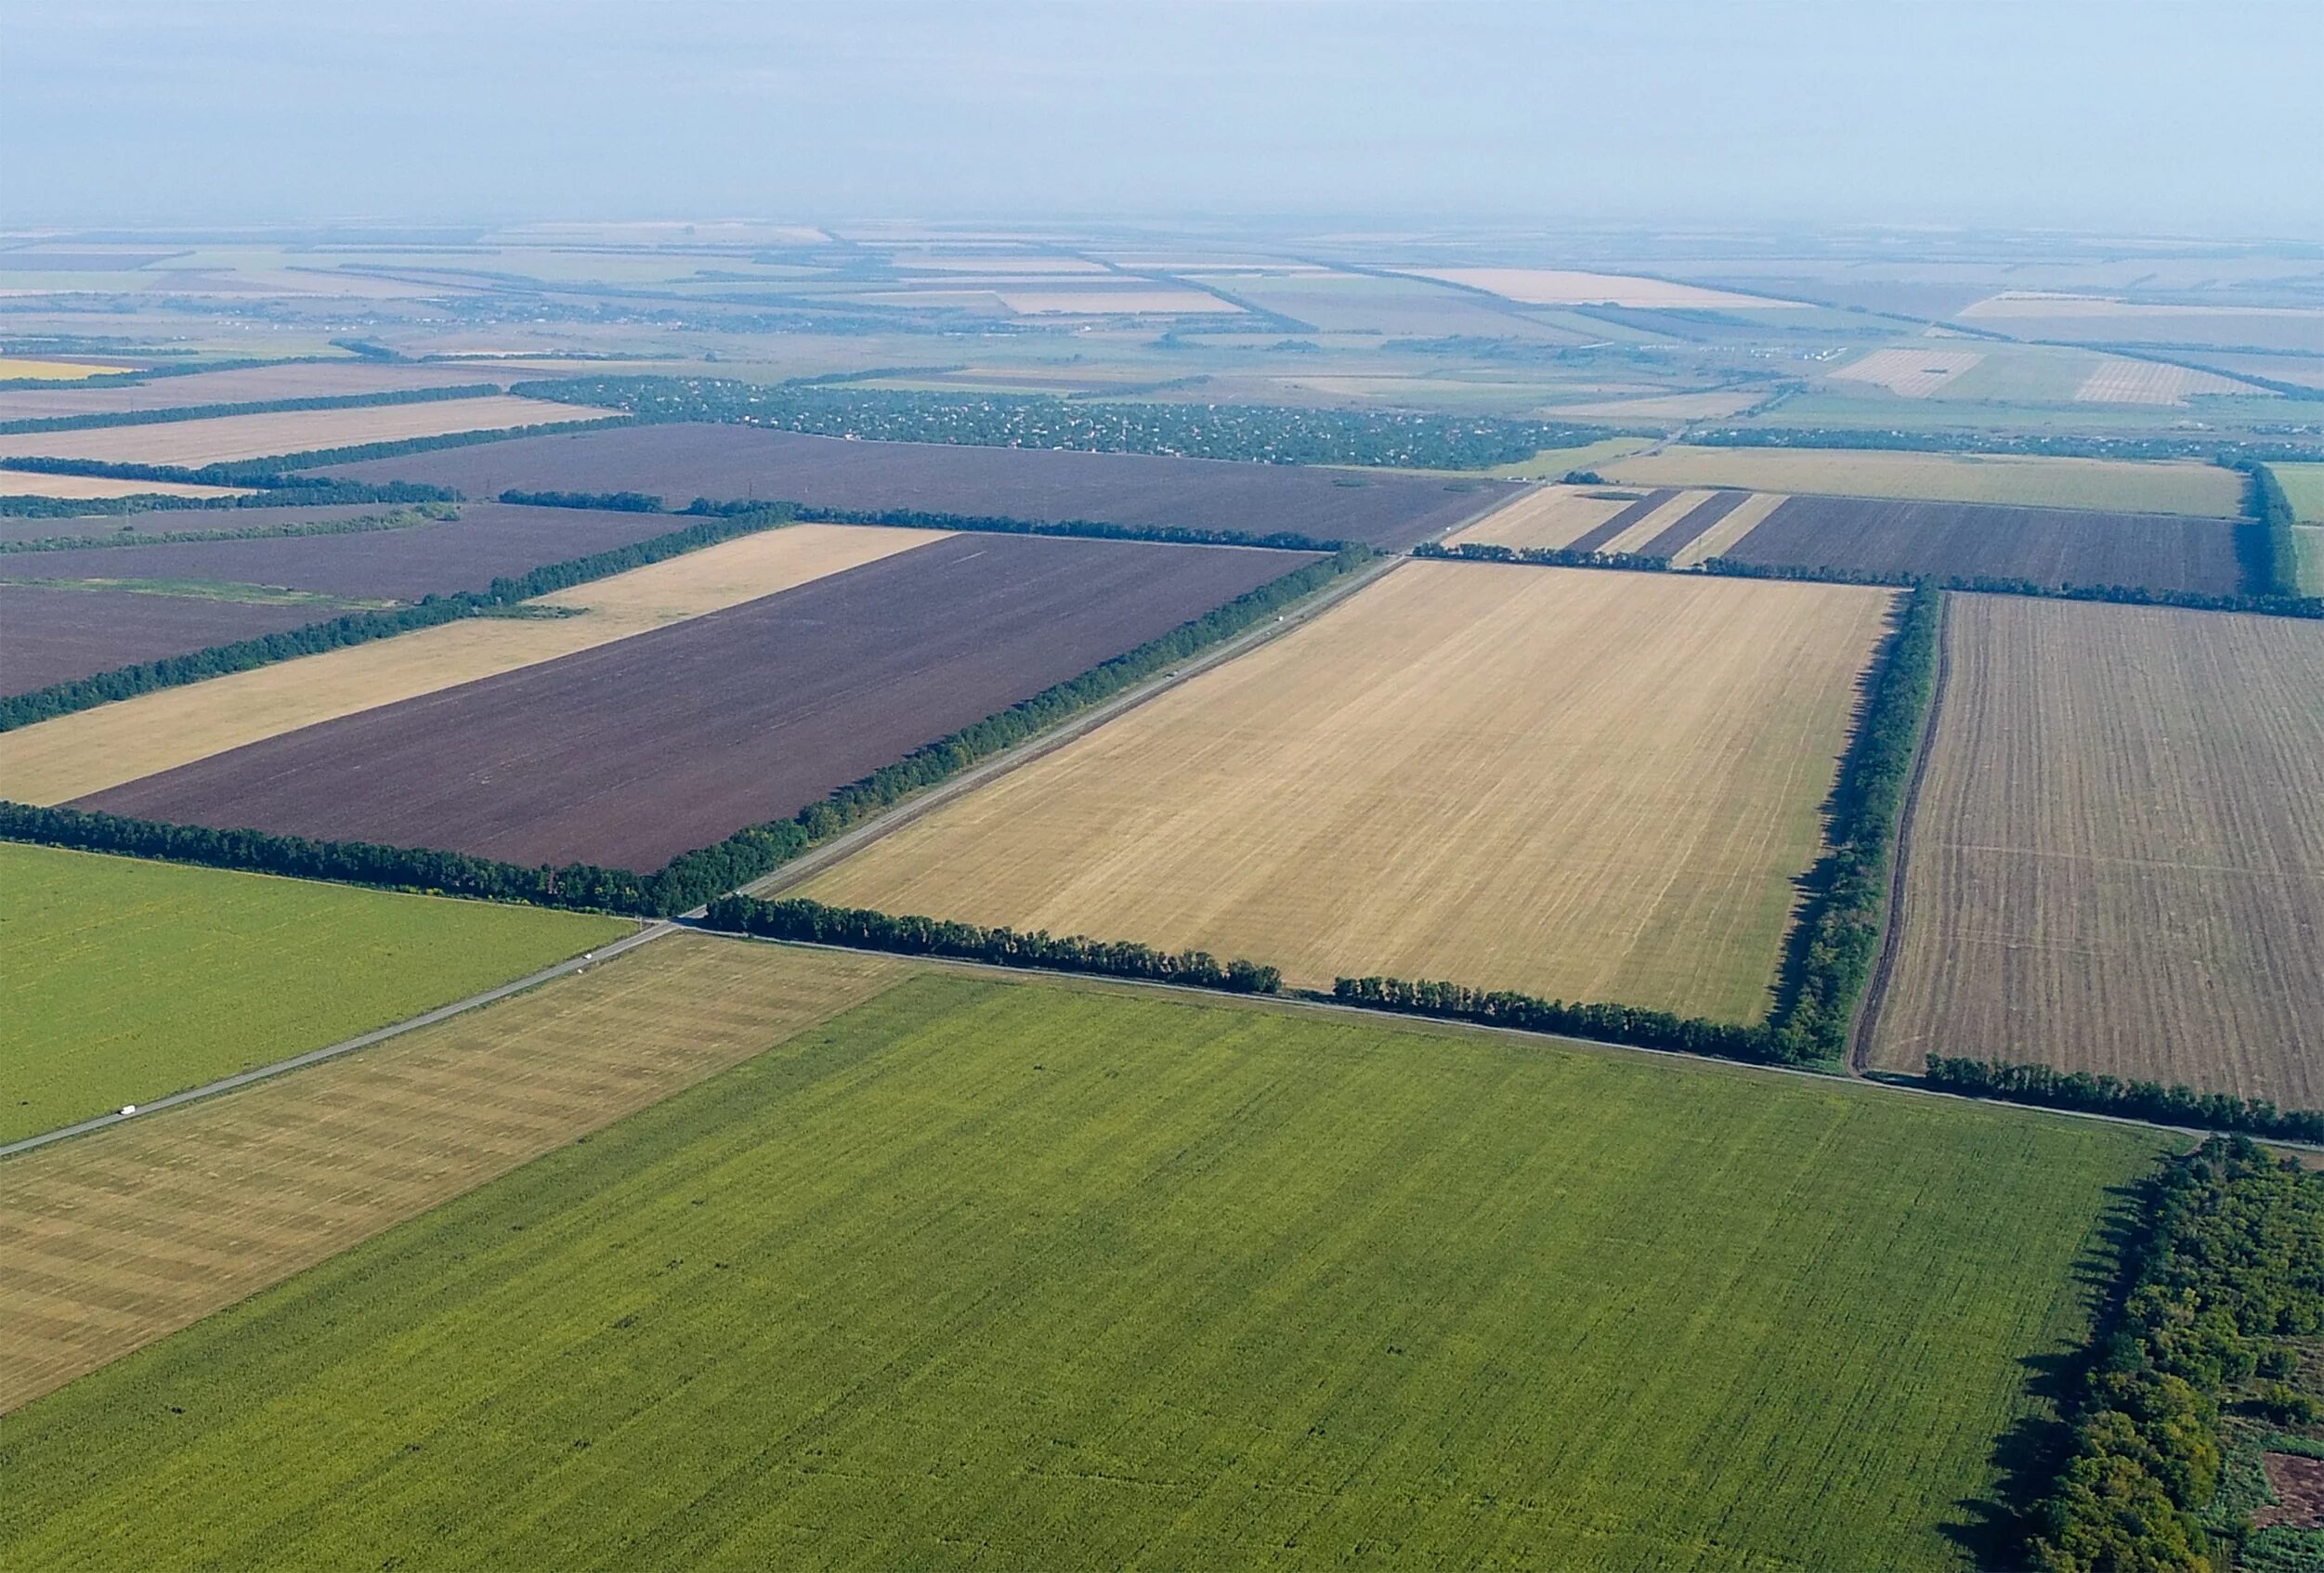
pixel 123 981
pixel 1011 1275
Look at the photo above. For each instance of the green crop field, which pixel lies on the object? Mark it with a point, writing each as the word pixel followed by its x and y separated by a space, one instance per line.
pixel 2303 487
pixel 1011 1275
pixel 122 980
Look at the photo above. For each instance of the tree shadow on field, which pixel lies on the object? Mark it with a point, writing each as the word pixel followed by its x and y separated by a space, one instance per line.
pixel 2026 1459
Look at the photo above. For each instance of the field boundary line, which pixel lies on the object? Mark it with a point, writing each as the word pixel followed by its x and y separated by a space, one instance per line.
pixel 1876 992
pixel 645 935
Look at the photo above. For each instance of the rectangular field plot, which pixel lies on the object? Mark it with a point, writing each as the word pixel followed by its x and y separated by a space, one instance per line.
pixel 221 438
pixel 2304 489
pixel 630 753
pixel 73 754
pixel 1584 785
pixel 2174 486
pixel 79 489
pixel 122 980
pixel 1009 1275
pixel 2117 859
pixel 2050 546
pixel 679 462
pixel 245 384
pixel 61 635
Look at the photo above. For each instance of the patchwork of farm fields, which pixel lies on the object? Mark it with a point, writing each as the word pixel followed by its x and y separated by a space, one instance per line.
pixel 122 980
pixel 1006 1274
pixel 2049 546
pixel 629 753
pixel 2117 859
pixel 242 384
pixel 1580 784
pixel 127 1234
pixel 2110 484
pixel 222 438
pixel 681 461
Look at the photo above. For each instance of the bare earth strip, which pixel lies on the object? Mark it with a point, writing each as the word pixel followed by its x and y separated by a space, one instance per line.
pixel 1582 784
pixel 2118 855
pixel 72 756
pixel 1655 523
pixel 223 438
pixel 1748 517
pixel 30 483
pixel 2173 487
pixel 1909 374
pixel 1549 516
pixel 122 1237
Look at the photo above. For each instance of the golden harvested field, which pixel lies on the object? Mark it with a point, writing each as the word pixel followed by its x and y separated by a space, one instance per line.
pixel 2117 858
pixel 1912 373
pixel 124 1236
pixel 1748 515
pixel 1583 784
pixel 58 761
pixel 1548 515
pixel 27 483
pixel 2119 379
pixel 223 438
pixel 13 369
pixel 1551 286
pixel 2174 486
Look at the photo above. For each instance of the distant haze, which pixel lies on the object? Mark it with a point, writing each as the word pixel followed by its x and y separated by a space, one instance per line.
pixel 2129 117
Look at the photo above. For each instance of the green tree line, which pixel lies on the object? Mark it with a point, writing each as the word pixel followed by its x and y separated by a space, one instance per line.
pixel 2048 1088
pixel 399 519
pixel 1606 1023
pixel 607 502
pixel 2208 446
pixel 862 928
pixel 2265 549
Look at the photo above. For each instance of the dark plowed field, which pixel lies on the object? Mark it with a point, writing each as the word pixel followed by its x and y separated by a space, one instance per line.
pixel 634 752
pixel 57 635
pixel 491 539
pixel 1697 519
pixel 2049 546
pixel 1597 535
pixel 249 384
pixel 727 463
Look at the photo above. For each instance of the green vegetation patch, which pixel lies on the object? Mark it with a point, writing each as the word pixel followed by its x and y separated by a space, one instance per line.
pixel 1017 1275
pixel 2304 485
pixel 123 981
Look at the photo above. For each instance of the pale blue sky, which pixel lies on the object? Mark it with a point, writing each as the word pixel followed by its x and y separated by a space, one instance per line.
pixel 2105 114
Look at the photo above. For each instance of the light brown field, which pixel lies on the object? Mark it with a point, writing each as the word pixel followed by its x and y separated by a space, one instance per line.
pixel 1552 286
pixel 1549 516
pixel 119 1238
pixel 1748 515
pixel 2119 379
pixel 58 761
pixel 2173 487
pixel 31 483
pixel 2117 860
pixel 1912 373
pixel 223 438
pixel 1583 784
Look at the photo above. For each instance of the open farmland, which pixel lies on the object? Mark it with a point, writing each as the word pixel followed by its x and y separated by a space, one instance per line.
pixel 127 1234
pixel 1584 785
pixel 222 438
pixel 1912 373
pixel 2117 860
pixel 2304 487
pixel 1003 1274
pixel 629 753
pixel 72 755
pixel 2177 486
pixel 122 980
pixel 490 540
pixel 1547 515
pixel 679 462
pixel 2120 380
pixel 57 635
pixel 1549 286
pixel 2097 319
pixel 2050 546
pixel 243 384
pixel 31 483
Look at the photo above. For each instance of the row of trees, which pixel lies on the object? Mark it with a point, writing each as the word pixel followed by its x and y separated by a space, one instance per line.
pixel 1607 1023
pixel 1098 529
pixel 362 628
pixel 2173 1104
pixel 2229 1269
pixel 2265 549
pixel 1262 434
pixel 397 519
pixel 610 501
pixel 257 406
pixel 1543 556
pixel 2210 446
pixel 862 930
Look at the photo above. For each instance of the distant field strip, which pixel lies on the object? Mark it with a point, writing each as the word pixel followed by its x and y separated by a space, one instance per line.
pixel 123 981
pixel 2173 487
pixel 31 483
pixel 2118 379
pixel 222 438
pixel 124 1236
pixel 74 755
pixel 1914 374
pixel 2118 858
pixel 1549 516
pixel 1549 286
pixel 1586 785
pixel 1730 527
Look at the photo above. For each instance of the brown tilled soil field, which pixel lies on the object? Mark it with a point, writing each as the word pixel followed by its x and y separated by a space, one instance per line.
pixel 248 384
pixel 124 1236
pixel 682 462
pixel 50 635
pixel 2051 546
pixel 2117 859
pixel 633 752
pixel 1584 784
pixel 490 540
pixel 222 438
